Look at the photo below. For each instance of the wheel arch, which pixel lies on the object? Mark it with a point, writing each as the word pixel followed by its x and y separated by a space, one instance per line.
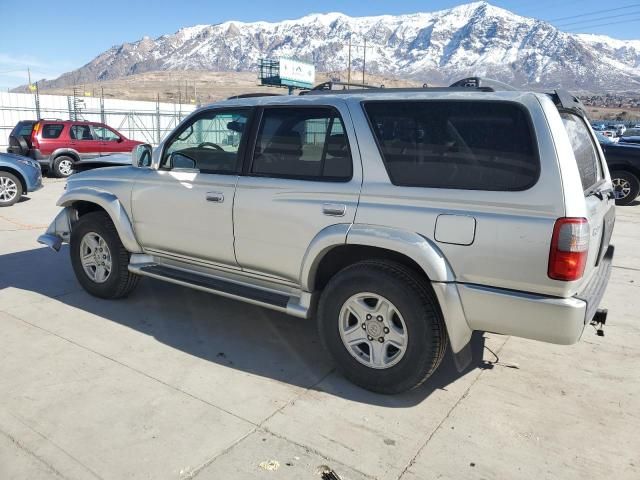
pixel 66 152
pixel 85 199
pixel 17 174
pixel 338 246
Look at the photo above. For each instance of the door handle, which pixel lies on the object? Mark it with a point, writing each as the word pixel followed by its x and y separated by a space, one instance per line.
pixel 215 197
pixel 334 209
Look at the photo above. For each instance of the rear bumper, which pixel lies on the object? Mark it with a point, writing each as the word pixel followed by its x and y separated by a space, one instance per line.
pixel 39 157
pixel 538 317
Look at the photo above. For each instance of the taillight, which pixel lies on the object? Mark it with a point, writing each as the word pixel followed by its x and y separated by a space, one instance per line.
pixel 34 135
pixel 569 249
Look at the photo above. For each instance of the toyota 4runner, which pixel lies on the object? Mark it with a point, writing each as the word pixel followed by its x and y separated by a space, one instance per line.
pixel 401 220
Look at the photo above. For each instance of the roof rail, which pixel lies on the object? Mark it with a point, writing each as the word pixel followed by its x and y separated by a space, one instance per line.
pixel 567 101
pixel 477 83
pixel 253 95
pixel 485 84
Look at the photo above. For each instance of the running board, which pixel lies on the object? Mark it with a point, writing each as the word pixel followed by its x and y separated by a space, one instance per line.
pixel 225 288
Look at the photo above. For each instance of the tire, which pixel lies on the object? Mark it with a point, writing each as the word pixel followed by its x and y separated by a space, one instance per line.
pixel 63 166
pixel 626 187
pixel 10 189
pixel 418 320
pixel 114 279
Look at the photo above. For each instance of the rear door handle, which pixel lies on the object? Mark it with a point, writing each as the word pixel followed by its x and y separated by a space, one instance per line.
pixel 334 209
pixel 215 197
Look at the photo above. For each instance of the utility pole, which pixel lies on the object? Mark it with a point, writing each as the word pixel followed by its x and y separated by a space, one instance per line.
pixel 29 75
pixel 349 64
pixel 364 59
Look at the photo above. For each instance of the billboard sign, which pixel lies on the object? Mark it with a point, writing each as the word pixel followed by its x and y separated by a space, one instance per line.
pixel 296 73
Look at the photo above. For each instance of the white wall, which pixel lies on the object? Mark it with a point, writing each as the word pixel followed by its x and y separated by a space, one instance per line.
pixel 134 119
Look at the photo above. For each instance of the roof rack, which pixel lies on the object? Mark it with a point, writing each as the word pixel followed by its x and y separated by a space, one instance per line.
pixel 477 83
pixel 567 101
pixel 253 95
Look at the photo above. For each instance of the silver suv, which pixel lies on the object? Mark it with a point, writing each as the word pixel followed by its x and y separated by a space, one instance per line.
pixel 402 220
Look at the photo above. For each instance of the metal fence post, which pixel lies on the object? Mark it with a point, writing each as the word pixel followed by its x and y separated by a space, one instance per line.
pixel 158 118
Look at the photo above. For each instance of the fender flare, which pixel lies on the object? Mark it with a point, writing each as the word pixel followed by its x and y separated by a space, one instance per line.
pixel 109 203
pixel 69 152
pixel 414 246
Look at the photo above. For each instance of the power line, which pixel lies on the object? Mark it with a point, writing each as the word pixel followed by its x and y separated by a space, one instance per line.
pixel 594 13
pixel 599 19
pixel 630 20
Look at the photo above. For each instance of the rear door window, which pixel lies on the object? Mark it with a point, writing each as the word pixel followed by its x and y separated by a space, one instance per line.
pixel 467 145
pixel 305 143
pixel 583 149
pixel 81 132
pixel 52 130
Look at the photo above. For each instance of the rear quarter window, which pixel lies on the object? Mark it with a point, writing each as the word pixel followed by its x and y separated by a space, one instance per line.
pixel 468 145
pixel 52 130
pixel 583 149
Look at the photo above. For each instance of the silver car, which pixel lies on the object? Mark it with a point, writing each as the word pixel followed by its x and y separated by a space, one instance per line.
pixel 400 220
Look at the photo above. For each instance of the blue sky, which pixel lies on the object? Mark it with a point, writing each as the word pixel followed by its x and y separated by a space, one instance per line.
pixel 55 37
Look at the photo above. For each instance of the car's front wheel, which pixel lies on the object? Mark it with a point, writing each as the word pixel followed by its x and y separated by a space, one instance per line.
pixel 10 189
pixel 626 187
pixel 99 259
pixel 382 325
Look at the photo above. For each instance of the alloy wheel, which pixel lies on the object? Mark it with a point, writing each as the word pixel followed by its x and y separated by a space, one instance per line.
pixel 8 189
pixel 373 330
pixel 95 257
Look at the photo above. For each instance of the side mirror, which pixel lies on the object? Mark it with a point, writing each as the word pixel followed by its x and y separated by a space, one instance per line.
pixel 120 140
pixel 141 155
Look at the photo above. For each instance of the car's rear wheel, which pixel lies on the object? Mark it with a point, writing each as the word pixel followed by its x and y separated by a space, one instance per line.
pixel 626 187
pixel 63 166
pixel 382 325
pixel 10 189
pixel 99 259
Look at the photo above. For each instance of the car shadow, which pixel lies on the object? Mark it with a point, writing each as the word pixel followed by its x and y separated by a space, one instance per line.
pixel 230 333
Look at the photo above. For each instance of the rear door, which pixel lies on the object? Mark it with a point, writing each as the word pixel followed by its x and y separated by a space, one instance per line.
pixel 303 176
pixel 596 185
pixel 83 141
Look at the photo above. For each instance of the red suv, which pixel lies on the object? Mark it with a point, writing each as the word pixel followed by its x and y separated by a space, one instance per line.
pixel 62 146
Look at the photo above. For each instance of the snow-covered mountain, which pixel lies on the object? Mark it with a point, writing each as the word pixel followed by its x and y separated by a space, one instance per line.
pixel 472 39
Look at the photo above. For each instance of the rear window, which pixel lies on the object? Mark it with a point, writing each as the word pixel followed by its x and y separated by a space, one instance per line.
pixel 52 130
pixel 23 129
pixel 583 149
pixel 456 144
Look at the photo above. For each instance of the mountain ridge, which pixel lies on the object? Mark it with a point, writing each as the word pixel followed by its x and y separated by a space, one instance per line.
pixel 434 47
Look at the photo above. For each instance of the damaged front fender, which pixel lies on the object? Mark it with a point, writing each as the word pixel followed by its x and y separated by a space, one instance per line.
pixel 59 231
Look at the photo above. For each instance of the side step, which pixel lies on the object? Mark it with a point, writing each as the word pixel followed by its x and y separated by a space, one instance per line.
pixel 219 286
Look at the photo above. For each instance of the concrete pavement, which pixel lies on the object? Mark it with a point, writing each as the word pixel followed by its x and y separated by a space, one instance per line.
pixel 174 383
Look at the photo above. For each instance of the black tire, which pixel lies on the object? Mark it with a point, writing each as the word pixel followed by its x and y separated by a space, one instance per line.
pixel 620 178
pixel 62 160
pixel 120 282
pixel 413 298
pixel 13 188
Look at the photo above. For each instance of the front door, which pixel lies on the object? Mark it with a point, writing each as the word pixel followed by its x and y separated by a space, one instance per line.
pixel 183 206
pixel 110 141
pixel 303 177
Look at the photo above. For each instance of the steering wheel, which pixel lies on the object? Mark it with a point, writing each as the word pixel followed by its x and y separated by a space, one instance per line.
pixel 209 144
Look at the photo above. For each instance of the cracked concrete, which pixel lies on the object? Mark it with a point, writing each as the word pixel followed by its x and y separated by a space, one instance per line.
pixel 174 383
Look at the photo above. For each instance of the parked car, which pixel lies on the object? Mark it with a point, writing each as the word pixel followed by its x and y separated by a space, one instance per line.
pixel 631 139
pixel 623 160
pixel 64 146
pixel 402 220
pixel 18 176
